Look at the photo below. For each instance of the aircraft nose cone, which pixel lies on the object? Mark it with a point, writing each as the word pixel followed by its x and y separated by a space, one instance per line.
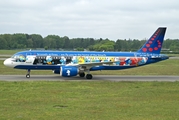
pixel 5 62
pixel 8 62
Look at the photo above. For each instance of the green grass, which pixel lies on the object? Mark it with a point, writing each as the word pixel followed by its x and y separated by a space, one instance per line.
pixel 168 67
pixel 89 100
pixel 9 52
pixel 173 55
pixel 5 56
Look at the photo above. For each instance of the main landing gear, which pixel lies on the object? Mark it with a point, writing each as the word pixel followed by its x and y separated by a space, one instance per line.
pixel 28 74
pixel 82 74
pixel 88 76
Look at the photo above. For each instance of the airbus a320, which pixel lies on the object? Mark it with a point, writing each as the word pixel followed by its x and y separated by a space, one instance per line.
pixel 73 63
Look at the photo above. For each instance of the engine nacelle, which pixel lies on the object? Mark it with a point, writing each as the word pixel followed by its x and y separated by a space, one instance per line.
pixel 56 71
pixel 68 71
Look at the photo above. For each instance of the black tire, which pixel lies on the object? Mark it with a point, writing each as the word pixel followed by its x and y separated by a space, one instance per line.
pixel 89 76
pixel 82 74
pixel 28 76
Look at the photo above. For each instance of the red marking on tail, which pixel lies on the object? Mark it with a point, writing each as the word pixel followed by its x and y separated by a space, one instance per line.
pixel 156 48
pixel 150 49
pixel 147 45
pixel 144 49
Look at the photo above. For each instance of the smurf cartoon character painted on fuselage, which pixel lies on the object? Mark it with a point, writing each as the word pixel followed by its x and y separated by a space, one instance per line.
pixel 127 61
pixel 49 60
pixel 21 58
pixel 74 60
pixel 117 61
pixel 63 60
pixel 142 61
pixel 87 59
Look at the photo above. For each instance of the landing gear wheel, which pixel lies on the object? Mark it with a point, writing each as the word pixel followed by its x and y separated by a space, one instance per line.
pixel 89 76
pixel 28 76
pixel 28 73
pixel 82 74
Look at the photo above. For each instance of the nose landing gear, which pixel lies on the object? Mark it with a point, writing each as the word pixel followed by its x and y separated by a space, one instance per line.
pixel 28 74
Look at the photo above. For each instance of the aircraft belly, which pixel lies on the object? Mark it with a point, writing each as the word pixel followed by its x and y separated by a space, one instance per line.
pixel 110 67
pixel 117 67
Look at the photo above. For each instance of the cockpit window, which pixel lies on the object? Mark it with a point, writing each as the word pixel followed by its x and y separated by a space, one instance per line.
pixel 12 56
pixel 19 58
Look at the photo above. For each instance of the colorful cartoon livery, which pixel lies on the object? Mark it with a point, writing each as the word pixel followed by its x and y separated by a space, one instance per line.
pixel 73 63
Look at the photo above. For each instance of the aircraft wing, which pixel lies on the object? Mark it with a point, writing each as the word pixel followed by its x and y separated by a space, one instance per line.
pixel 91 64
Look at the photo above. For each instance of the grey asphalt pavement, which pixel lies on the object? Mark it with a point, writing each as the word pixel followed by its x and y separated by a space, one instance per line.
pixel 95 78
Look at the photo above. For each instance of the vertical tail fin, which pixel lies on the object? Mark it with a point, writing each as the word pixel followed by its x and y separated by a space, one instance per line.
pixel 154 44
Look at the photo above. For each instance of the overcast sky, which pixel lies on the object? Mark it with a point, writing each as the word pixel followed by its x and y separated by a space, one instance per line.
pixel 112 19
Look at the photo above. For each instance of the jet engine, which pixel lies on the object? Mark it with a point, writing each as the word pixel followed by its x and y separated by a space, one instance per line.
pixel 69 71
pixel 56 71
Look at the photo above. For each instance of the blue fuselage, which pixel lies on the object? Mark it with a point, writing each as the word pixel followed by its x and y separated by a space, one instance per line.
pixel 53 60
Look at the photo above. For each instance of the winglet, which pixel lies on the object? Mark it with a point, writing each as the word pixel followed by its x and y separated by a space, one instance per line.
pixel 154 44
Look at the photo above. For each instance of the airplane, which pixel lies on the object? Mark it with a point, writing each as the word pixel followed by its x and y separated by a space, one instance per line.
pixel 73 63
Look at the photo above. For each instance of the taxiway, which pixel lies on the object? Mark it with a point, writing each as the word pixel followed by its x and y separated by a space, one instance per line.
pixel 95 78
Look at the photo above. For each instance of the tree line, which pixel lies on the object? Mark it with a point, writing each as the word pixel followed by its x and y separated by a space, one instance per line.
pixel 36 41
